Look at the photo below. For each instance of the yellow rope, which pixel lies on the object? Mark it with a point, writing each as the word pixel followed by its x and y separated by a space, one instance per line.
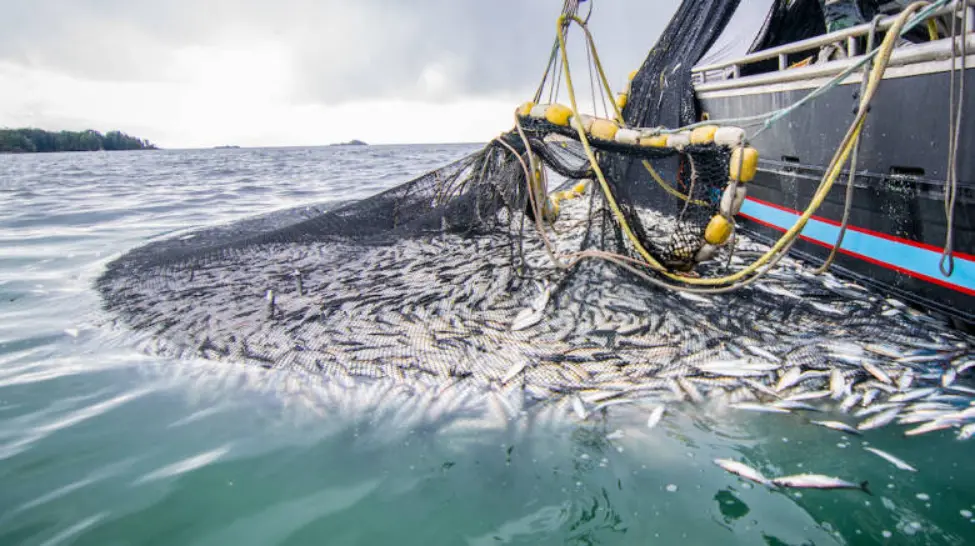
pixel 833 171
pixel 668 188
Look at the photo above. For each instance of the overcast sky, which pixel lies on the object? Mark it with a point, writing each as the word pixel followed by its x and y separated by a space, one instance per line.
pixel 187 73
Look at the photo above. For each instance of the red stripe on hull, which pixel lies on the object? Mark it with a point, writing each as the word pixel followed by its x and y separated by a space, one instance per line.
pixel 867 259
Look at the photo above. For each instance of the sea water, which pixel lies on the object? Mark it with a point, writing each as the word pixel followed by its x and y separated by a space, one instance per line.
pixel 102 444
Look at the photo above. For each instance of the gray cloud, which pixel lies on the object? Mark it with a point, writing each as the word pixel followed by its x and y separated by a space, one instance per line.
pixel 353 49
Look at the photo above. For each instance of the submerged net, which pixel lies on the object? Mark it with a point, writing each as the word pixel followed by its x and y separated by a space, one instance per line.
pixel 466 274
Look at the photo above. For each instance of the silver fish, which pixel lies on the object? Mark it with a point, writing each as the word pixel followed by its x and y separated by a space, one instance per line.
pixel 877 372
pixel 743 470
pixel 949 377
pixel 850 401
pixel 811 395
pixel 899 463
pixel 691 390
pixel 527 318
pixel 912 395
pixel 817 481
pixel 837 385
pixel 789 378
pixel 931 426
pixel 513 372
pixel 905 380
pixel 758 351
pixel 655 416
pixel 579 408
pixel 880 419
pixel 748 406
pixel 966 431
pixel 962 367
pixel 793 405
pixel 836 425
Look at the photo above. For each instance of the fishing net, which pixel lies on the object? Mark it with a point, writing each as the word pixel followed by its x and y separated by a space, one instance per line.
pixel 527 266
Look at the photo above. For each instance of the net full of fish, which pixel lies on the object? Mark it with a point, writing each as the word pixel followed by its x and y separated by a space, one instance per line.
pixel 446 312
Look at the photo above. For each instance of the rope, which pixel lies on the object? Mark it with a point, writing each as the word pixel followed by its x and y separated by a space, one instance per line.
pixel 834 170
pixel 851 181
pixel 955 114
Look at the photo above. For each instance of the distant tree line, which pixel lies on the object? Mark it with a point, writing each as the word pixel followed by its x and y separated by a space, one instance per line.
pixel 37 140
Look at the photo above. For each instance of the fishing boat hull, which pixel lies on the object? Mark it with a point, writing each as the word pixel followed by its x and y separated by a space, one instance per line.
pixel 898 224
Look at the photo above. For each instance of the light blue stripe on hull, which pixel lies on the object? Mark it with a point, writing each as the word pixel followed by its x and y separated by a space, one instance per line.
pixel 922 262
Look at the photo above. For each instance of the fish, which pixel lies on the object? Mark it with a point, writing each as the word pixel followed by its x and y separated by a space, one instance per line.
pixel 836 425
pixel 930 426
pixel 743 470
pixel 818 481
pixel 899 463
pixel 691 390
pixel 966 431
pixel 850 401
pixel 579 408
pixel 758 351
pixel 913 395
pixel 881 419
pixel 877 372
pixel 905 380
pixel 793 405
pixel 964 366
pixel 949 377
pixel 837 385
pixel 527 318
pixel 694 298
pixel 737 368
pixel 513 372
pixel 747 406
pixel 788 379
pixel 810 395
pixel 656 414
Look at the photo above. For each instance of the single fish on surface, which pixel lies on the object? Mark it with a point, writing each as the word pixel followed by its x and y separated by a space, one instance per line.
pixel 655 416
pixel 836 425
pixel 899 463
pixel 818 481
pixel 743 470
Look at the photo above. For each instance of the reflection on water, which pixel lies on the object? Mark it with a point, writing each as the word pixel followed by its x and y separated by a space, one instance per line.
pixel 100 444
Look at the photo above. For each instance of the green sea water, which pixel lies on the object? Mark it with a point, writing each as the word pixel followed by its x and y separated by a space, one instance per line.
pixel 102 444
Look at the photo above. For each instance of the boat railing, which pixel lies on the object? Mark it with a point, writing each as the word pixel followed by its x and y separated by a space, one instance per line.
pixel 731 69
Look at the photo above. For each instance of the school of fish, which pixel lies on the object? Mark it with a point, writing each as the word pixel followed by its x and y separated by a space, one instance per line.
pixel 445 322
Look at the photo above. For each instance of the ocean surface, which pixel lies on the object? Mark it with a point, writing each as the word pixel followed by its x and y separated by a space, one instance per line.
pixel 103 444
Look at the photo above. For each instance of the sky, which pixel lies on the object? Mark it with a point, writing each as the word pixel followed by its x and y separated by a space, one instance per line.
pixel 199 73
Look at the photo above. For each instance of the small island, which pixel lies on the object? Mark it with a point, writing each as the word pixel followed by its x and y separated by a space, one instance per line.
pixel 26 141
pixel 350 143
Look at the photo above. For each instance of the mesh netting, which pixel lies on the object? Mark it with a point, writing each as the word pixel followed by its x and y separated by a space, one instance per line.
pixel 457 277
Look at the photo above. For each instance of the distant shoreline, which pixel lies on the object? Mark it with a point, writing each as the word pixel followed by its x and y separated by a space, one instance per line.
pixel 37 141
